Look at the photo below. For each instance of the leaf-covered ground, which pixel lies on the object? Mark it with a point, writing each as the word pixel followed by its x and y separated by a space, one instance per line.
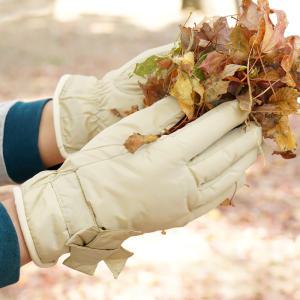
pixel 247 252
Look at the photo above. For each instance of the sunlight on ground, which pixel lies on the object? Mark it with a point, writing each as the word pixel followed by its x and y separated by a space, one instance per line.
pixel 152 15
pixel 156 14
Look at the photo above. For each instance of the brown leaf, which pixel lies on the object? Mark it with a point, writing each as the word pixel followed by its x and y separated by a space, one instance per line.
pixel 240 43
pixel 227 202
pixel 136 140
pixel 284 136
pixel 215 88
pixel 214 63
pixel 125 113
pixel 285 154
pixel 231 69
pixel 245 102
pixel 165 63
pixel 154 89
pixel 286 100
pixel 274 35
pixel 250 15
pixel 271 75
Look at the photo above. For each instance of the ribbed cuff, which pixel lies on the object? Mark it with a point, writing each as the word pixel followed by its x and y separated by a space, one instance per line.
pixel 9 250
pixel 20 144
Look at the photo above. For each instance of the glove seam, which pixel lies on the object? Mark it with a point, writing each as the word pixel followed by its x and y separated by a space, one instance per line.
pixel 87 203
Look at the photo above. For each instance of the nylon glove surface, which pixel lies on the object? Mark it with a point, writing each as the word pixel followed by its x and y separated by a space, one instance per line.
pixel 83 104
pixel 103 194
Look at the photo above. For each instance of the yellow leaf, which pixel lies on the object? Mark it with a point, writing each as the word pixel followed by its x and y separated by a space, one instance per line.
pixel 188 59
pixel 284 136
pixel 182 90
pixel 136 140
pixel 198 87
pixel 286 100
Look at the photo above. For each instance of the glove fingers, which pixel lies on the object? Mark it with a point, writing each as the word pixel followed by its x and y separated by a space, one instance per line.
pixel 151 120
pixel 225 152
pixel 197 136
pixel 217 200
pixel 223 182
pixel 213 203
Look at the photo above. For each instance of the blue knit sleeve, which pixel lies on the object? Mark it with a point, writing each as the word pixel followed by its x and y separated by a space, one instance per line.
pixel 20 142
pixel 9 250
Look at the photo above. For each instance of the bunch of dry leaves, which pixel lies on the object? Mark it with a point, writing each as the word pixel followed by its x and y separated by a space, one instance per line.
pixel 212 63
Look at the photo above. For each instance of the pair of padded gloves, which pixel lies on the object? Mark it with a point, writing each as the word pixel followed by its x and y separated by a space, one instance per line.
pixel 102 194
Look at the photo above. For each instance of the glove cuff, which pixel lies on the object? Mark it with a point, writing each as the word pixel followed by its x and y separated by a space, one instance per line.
pixel 57 114
pixel 56 218
pixel 25 229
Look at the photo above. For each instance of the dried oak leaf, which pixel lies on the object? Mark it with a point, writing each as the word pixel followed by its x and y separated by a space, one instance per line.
pixel 136 140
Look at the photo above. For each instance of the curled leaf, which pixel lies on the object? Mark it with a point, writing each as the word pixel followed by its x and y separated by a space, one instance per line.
pixel 231 69
pixel 136 140
pixel 124 113
pixel 245 102
pixel 250 15
pixel 215 87
pixel 154 89
pixel 274 35
pixel 182 90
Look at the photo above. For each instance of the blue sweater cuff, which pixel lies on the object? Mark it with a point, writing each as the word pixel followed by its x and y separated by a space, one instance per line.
pixel 20 143
pixel 9 250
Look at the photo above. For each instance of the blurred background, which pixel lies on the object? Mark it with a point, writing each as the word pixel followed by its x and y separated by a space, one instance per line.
pixel 250 251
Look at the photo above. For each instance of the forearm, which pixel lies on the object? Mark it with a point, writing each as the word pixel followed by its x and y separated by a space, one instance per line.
pixel 29 143
pixel 47 144
pixel 13 250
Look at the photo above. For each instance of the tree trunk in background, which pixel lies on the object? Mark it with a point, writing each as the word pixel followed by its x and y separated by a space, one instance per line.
pixel 194 4
pixel 204 4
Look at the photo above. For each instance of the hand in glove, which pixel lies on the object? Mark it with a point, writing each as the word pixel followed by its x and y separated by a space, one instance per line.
pixel 83 104
pixel 103 194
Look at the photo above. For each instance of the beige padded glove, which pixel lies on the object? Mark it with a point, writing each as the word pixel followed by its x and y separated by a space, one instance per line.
pixel 83 104
pixel 103 194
